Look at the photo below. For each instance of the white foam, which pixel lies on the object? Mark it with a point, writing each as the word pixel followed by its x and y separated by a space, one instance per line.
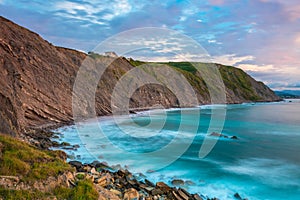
pixel 272 172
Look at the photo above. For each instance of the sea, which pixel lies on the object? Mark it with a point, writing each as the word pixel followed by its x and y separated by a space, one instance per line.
pixel 263 162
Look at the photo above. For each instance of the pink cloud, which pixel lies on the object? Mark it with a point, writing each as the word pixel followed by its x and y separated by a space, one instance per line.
pixel 290 7
pixel 216 2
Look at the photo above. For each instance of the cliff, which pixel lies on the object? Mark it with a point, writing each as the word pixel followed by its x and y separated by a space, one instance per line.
pixel 37 78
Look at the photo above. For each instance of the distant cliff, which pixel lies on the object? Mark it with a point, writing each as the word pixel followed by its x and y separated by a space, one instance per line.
pixel 37 78
pixel 288 94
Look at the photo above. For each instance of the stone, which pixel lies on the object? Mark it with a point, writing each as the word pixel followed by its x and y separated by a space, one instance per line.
pixel 87 168
pixel 102 166
pixel 150 171
pixel 65 144
pixel 234 137
pixel 70 176
pixel 197 197
pixel 237 196
pixel 75 146
pixel 184 194
pixel 216 134
pixel 116 167
pixel 176 197
pixel 156 192
pixel 148 189
pixel 116 192
pixel 177 182
pixel 76 164
pixel 93 171
pixel 162 186
pixel 149 183
pixel 189 183
pixel 94 163
pixel 104 180
pixel 140 176
pixel 131 194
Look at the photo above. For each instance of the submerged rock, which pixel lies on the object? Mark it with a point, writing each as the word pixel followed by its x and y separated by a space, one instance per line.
pixel 237 196
pixel 177 182
pixel 234 137
pixel 216 134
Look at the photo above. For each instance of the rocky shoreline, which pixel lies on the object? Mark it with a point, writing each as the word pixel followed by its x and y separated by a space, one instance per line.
pixel 117 183
pixel 113 182
pixel 122 184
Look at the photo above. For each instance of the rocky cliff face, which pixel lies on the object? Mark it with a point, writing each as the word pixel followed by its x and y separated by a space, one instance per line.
pixel 37 78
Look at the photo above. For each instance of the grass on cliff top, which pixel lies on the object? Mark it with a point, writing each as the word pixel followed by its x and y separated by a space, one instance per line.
pixel 31 165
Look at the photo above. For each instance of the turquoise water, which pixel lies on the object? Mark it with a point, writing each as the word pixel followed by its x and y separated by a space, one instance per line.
pixel 264 163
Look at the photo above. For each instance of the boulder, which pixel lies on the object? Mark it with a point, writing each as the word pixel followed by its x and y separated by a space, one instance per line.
pixel 237 196
pixel 93 171
pixel 163 187
pixel 156 192
pixel 116 192
pixel 149 183
pixel 197 197
pixel 234 137
pixel 131 194
pixel 76 164
pixel 184 192
pixel 189 183
pixel 216 134
pixel 177 182
pixel 104 180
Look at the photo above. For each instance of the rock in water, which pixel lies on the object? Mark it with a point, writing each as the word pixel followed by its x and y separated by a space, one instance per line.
pixel 237 196
pixel 234 137
pixel 216 134
pixel 177 182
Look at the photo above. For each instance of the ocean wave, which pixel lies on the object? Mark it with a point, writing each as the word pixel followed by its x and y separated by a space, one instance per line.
pixel 277 173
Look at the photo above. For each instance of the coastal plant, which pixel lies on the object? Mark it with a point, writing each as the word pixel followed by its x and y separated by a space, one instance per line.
pixel 31 165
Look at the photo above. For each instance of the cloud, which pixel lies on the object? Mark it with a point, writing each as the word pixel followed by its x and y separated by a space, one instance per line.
pixel 216 2
pixel 94 12
pixel 231 59
pixel 297 40
pixel 259 36
pixel 256 68
pixel 290 7
pixel 281 85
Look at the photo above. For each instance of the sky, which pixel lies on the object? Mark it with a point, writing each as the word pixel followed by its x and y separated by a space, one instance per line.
pixel 261 37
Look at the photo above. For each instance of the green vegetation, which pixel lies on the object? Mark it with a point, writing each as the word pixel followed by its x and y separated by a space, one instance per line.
pixel 186 66
pixel 80 176
pixel 135 63
pixel 19 159
pixel 239 82
pixel 235 80
pixel 21 194
pixel 83 191
pixel 31 165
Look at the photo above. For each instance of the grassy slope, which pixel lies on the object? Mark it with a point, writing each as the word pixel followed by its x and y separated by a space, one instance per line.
pixel 31 165
pixel 234 79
